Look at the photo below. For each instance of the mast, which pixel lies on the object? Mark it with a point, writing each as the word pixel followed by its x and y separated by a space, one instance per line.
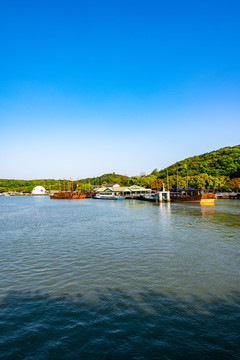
pixel 215 184
pixel 167 181
pixel 177 177
pixel 204 182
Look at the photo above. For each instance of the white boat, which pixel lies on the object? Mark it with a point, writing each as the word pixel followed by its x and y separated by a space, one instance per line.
pixel 108 196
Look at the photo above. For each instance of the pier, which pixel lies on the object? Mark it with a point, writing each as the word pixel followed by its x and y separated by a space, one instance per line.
pixel 163 196
pixel 227 195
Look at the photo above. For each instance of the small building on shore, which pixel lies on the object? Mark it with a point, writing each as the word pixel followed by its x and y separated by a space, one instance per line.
pixel 127 191
pixel 39 190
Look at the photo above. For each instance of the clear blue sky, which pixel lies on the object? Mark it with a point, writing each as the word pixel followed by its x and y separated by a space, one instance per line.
pixel 92 87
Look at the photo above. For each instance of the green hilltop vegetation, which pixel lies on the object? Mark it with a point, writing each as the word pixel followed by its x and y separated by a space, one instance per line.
pixel 219 170
pixel 225 161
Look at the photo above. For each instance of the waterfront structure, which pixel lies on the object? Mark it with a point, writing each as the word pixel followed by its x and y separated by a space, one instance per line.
pixel 39 190
pixel 227 195
pixel 164 196
pixel 126 191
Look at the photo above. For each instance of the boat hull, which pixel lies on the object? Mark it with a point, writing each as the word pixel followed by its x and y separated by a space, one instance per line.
pixel 109 198
pixel 205 199
pixel 62 195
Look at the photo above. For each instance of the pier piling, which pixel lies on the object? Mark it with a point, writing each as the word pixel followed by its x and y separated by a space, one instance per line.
pixel 163 195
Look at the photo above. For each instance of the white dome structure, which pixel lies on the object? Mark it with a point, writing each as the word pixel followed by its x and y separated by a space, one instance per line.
pixel 39 190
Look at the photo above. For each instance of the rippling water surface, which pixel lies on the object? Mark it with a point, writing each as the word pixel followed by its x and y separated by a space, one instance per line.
pixel 82 279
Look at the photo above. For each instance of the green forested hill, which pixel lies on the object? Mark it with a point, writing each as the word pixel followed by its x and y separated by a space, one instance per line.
pixel 225 161
pixel 218 169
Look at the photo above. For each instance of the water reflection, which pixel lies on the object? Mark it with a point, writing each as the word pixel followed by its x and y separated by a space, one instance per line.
pixel 208 211
pixel 165 212
pixel 165 207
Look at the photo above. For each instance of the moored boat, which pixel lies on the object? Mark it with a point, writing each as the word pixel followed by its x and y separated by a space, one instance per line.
pixel 153 197
pixel 68 195
pixel 193 196
pixel 108 196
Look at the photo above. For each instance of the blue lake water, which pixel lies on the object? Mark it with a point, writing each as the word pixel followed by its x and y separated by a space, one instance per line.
pixel 94 279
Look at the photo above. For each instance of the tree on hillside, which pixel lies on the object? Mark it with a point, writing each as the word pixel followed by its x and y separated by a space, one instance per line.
pixel 235 184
